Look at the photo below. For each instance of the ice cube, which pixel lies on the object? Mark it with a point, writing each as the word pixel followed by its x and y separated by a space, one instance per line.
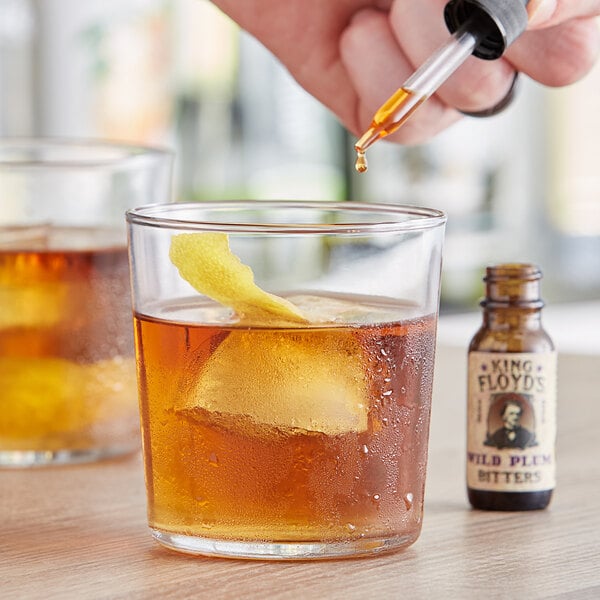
pixel 302 379
pixel 358 310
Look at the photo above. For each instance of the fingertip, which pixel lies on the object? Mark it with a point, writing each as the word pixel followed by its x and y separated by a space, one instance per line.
pixel 540 12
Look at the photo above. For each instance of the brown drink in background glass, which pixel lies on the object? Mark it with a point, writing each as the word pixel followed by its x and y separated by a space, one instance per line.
pixel 67 366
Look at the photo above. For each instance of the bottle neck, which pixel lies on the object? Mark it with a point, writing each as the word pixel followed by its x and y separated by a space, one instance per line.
pixel 512 297
pixel 502 318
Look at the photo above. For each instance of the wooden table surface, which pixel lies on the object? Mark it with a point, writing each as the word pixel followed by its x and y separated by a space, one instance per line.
pixel 80 532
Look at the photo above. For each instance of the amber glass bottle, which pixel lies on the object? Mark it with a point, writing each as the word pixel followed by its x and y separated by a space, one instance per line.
pixel 511 413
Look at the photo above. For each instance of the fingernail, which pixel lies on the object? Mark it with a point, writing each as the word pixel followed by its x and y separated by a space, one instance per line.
pixel 540 11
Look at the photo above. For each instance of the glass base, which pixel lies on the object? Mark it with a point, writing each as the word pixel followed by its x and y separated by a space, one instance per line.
pixel 42 458
pixel 258 550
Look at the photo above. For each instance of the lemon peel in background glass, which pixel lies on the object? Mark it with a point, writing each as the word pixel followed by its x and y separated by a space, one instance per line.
pixel 45 397
pixel 33 304
pixel 207 263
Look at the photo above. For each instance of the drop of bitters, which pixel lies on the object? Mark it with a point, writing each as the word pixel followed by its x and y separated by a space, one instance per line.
pixel 361 164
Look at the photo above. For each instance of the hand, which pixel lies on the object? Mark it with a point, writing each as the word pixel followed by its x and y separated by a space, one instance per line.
pixel 353 54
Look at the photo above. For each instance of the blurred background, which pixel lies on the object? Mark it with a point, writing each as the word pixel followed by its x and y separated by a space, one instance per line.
pixel 522 186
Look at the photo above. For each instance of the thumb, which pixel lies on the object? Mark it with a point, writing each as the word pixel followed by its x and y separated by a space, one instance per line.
pixel 540 11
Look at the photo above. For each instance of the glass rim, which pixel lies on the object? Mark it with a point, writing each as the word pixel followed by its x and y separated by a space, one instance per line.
pixel 154 215
pixel 129 154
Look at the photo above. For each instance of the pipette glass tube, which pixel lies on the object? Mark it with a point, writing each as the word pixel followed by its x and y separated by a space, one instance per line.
pixel 416 89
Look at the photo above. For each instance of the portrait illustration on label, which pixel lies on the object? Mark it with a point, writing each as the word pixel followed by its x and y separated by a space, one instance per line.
pixel 511 421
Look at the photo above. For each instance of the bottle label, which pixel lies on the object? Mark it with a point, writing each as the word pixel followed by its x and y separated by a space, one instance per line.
pixel 511 421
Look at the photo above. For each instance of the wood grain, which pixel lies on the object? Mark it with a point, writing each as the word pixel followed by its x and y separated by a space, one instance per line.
pixel 80 532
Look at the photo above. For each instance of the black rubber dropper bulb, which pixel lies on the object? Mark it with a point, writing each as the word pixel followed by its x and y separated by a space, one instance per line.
pixel 496 23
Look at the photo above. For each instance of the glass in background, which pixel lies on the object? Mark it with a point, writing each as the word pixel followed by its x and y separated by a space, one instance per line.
pixel 67 367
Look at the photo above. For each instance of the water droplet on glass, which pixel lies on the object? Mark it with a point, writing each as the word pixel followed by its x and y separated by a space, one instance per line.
pixel 408 500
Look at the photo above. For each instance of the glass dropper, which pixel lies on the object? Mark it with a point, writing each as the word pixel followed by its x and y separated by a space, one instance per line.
pixel 484 28
pixel 417 88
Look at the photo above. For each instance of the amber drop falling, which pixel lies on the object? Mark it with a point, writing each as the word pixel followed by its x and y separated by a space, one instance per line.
pixel 361 164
